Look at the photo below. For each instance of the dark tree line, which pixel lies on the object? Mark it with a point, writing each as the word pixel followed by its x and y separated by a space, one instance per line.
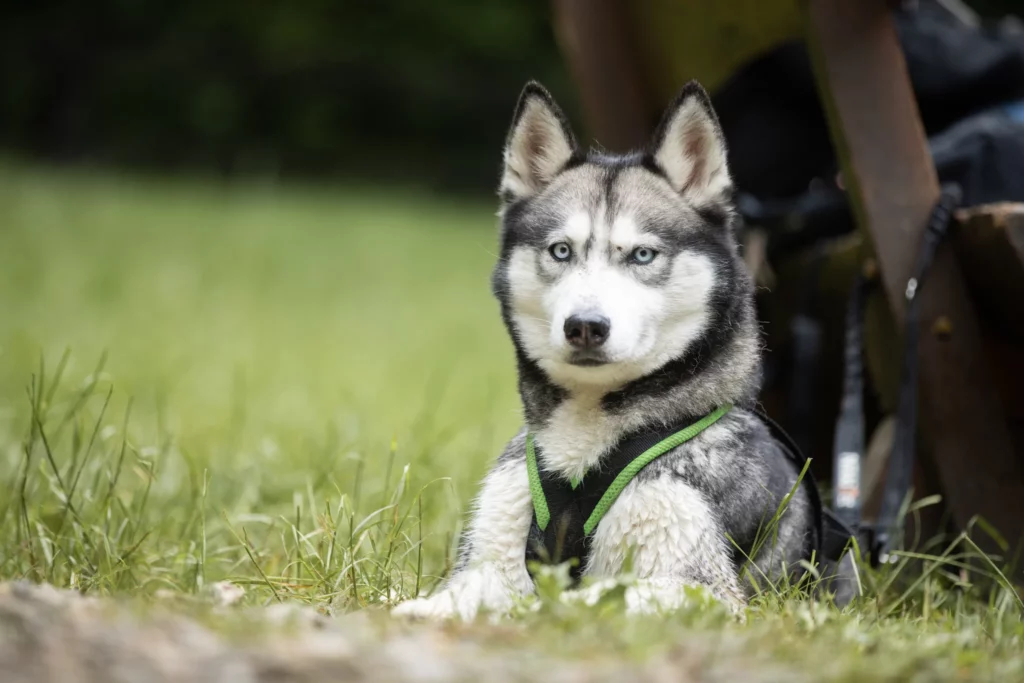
pixel 397 88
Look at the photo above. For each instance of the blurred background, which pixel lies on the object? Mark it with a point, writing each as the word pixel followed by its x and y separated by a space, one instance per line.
pixel 371 91
pixel 271 225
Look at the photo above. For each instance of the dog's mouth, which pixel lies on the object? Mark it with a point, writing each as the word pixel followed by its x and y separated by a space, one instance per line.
pixel 588 359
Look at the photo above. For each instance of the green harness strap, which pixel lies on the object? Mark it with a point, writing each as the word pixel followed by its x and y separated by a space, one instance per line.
pixel 540 503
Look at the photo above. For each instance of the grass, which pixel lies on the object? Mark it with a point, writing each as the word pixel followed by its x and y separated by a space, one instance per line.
pixel 298 389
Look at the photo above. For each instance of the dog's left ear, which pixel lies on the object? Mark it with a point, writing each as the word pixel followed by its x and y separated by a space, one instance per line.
pixel 689 147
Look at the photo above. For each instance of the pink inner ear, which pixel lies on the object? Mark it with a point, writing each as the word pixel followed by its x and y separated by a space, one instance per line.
pixel 534 148
pixel 695 149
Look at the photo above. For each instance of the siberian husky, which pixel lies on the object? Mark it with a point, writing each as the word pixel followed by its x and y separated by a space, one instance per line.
pixel 631 311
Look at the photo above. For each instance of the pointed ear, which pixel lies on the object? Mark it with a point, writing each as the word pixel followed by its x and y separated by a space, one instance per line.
pixel 538 146
pixel 690 148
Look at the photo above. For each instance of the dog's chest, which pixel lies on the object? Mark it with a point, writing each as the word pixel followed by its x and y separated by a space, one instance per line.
pixel 575 437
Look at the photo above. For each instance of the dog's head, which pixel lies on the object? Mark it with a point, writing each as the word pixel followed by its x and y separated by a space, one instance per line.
pixel 612 266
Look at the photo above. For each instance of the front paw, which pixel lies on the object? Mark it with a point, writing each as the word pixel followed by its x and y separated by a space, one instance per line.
pixel 645 599
pixel 464 597
pixel 435 608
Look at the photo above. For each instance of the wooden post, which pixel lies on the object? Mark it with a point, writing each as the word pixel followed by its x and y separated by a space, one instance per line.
pixel 595 40
pixel 888 172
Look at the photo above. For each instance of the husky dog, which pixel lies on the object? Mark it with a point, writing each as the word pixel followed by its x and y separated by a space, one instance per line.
pixel 630 308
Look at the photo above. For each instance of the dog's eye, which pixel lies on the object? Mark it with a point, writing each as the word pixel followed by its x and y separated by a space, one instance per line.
pixel 560 251
pixel 642 255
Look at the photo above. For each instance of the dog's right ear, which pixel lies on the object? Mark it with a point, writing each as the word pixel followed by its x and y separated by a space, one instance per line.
pixel 539 144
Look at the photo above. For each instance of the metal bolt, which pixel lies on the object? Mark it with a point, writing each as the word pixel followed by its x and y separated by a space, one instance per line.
pixel 942 328
pixel 911 288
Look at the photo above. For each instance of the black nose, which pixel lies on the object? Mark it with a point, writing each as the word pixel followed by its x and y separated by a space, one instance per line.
pixel 587 331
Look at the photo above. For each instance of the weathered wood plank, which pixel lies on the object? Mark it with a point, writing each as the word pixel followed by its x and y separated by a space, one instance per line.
pixel 892 184
pixel 989 244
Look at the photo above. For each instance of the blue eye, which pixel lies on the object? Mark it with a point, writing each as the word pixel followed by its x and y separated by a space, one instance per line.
pixel 642 255
pixel 560 251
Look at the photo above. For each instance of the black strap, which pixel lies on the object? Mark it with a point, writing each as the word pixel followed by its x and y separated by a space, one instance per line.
pixel 849 441
pixel 815 543
pixel 900 468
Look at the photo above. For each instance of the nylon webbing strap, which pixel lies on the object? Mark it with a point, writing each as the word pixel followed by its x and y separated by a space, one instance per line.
pixel 633 468
pixel 900 468
pixel 540 501
pixel 849 441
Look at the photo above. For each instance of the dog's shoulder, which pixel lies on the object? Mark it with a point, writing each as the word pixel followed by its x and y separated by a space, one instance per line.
pixel 735 462
pixel 744 474
pixel 515 449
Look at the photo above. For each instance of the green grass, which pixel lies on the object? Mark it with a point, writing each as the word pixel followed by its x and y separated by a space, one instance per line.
pixel 298 389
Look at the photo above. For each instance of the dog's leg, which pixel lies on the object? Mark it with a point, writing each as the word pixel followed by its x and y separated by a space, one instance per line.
pixel 491 571
pixel 674 540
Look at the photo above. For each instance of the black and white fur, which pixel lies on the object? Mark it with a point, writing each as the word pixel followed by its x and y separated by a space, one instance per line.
pixel 682 340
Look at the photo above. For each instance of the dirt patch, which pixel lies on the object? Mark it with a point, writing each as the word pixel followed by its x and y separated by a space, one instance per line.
pixel 56 635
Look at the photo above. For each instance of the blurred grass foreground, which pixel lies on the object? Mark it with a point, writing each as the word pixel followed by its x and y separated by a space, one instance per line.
pixel 296 389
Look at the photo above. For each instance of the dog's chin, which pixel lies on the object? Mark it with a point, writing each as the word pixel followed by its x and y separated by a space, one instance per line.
pixel 591 371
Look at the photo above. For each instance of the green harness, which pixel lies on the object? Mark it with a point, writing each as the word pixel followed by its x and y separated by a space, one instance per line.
pixel 567 513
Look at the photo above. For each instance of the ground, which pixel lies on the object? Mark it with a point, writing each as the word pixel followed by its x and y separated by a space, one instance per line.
pixel 294 391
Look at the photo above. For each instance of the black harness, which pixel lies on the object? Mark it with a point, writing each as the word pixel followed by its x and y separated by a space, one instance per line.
pixel 565 536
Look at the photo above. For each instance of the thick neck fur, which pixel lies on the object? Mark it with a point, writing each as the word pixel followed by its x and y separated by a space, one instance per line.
pixel 575 426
